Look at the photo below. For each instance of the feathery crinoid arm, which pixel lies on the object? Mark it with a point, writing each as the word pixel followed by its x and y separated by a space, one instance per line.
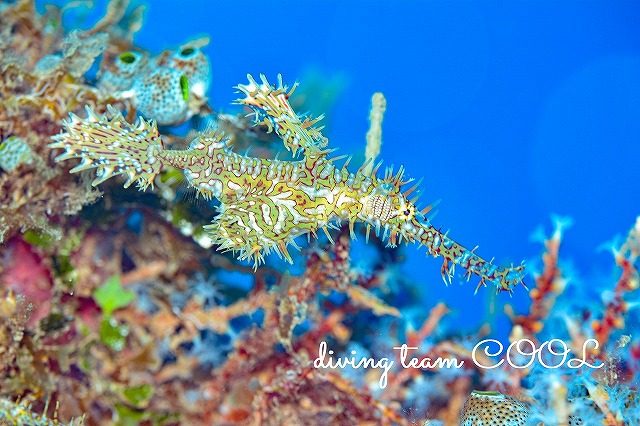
pixel 112 146
pixel 271 108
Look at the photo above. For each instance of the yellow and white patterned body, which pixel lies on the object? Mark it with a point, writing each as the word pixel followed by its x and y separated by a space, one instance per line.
pixel 265 204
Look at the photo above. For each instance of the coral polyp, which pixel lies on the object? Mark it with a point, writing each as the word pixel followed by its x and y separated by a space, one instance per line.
pixel 265 203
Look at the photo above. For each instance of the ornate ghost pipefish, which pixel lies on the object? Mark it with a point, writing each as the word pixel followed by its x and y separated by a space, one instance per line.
pixel 265 203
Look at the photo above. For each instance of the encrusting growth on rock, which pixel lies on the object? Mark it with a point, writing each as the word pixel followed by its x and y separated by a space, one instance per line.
pixel 493 409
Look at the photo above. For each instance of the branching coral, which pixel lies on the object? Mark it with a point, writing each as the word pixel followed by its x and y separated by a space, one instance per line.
pixel 599 385
pixel 626 257
pixel 549 284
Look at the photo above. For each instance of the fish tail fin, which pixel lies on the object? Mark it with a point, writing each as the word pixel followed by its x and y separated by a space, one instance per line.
pixel 112 146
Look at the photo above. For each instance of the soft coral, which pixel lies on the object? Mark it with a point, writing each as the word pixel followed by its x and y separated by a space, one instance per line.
pixel 25 274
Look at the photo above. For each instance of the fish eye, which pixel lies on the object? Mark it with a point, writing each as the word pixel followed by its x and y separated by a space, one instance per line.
pixel 407 212
pixel 128 57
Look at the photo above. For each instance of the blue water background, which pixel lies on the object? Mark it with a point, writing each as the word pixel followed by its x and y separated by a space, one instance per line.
pixel 511 111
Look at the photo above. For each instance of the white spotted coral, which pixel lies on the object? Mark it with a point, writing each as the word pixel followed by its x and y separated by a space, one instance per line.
pixel 163 95
pixel 493 409
pixel 193 64
pixel 169 88
pixel 14 151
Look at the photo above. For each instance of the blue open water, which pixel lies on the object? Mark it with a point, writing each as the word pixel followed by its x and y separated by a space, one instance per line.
pixel 511 111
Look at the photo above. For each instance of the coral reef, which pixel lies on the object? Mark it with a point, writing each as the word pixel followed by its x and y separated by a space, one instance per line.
pixel 38 87
pixel 115 307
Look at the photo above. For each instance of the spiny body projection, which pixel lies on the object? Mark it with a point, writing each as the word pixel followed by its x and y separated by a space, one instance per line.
pixel 265 204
